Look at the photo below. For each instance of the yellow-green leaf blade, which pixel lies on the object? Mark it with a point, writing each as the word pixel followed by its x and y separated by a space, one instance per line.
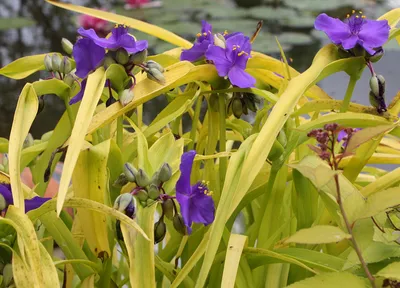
pixel 391 271
pixel 332 280
pixel 318 234
pixel 234 252
pixel 23 67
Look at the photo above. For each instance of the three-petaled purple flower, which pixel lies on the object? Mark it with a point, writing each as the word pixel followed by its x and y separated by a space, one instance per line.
pixel 90 51
pixel 195 201
pixel 30 204
pixel 345 134
pixel 232 60
pixel 204 39
pixel 355 29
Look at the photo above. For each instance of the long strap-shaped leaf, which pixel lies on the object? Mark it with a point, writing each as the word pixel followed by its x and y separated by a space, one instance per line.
pixel 94 88
pixel 25 113
pixel 151 29
pixel 235 247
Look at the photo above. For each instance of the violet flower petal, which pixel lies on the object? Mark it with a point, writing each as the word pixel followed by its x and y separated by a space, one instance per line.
pixel 5 191
pixel 334 28
pixel 240 78
pixel 34 203
pixel 196 52
pixel 87 55
pixel 350 42
pixel 218 56
pixel 202 208
pixel 183 184
pixel 374 33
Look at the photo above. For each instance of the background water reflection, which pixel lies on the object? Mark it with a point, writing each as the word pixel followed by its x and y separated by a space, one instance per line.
pixel 29 27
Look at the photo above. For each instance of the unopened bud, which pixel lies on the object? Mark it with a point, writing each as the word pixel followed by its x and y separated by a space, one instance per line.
pixel 28 141
pixel 282 139
pixel 139 57
pixel 179 225
pixel 55 62
pixel 2 169
pixel 165 172
pixel 155 179
pixel 5 162
pixel 40 105
pixel 122 56
pixel 377 85
pixel 237 107
pixel 168 208
pixel 69 80
pixel 156 75
pixel 108 60
pixel 7 274
pixel 219 40
pixel 47 63
pixel 3 203
pixel 67 46
pixel 120 181
pixel 46 136
pixel 160 229
pixel 142 195
pixel 130 172
pixel 377 56
pixel 126 97
pixel 154 65
pixel 142 179
pixel 153 192
pixel 125 203
pixel 65 65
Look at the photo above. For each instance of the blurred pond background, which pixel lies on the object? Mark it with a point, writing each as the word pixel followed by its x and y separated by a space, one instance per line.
pixel 29 27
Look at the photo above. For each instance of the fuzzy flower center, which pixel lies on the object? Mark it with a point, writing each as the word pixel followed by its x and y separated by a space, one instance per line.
pixel 202 187
pixel 355 21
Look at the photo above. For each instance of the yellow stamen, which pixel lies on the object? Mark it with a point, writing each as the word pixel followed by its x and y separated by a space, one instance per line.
pixel 203 181
pixel 204 34
pixel 226 32
pixel 360 12
pixel 357 16
pixel 198 34
pixel 242 52
pixel 363 16
pixel 348 16
pixel 353 11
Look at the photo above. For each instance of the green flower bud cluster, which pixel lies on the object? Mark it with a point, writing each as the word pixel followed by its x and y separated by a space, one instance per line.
pixel 155 72
pixel 54 63
pixel 241 103
pixel 148 188
pixel 4 164
pixel 377 93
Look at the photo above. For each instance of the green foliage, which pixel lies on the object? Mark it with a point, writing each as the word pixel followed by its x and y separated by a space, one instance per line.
pixel 286 214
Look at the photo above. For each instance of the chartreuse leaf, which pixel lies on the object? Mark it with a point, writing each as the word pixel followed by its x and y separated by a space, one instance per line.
pixel 392 271
pixel 393 17
pixel 89 181
pixel 318 234
pixel 136 24
pixel 332 280
pixel 25 113
pixel 22 275
pixel 146 90
pixel 233 254
pixel 381 183
pixel 93 91
pixel 51 86
pixel 366 134
pixel 23 67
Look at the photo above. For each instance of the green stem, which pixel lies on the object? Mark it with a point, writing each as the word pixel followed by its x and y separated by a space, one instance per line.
pixel 222 137
pixel 195 121
pixel 120 132
pixel 69 112
pixel 349 93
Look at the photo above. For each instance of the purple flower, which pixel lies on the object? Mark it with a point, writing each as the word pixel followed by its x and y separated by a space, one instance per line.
pixel 345 133
pixel 195 201
pixel 119 39
pixel 204 39
pixel 88 56
pixel 232 60
pixel 356 29
pixel 30 204
pixel 78 97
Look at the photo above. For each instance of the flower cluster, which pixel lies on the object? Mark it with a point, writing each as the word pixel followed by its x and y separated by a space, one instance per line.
pixel 228 52
pixel 355 30
pixel 6 199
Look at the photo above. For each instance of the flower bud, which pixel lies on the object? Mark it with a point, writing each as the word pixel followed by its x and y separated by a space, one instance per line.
pixel 126 97
pixel 125 203
pixel 130 172
pixel 28 141
pixel 139 57
pixel 219 40
pixel 47 63
pixel 282 139
pixel 377 102
pixel 155 75
pixel 154 65
pixel 67 46
pixel 168 208
pixel 142 179
pixel 5 162
pixel 7 274
pixel 122 56
pixel 55 62
pixel 374 85
pixel 2 169
pixel 165 172
pixel 142 195
pixel 237 107
pixel 179 225
pixel 120 181
pixel 65 65
pixel 108 60
pixel 153 192
pixel 160 229
pixel 155 179
pixel 377 56
pixel 3 203
pixel 41 105
pixel 69 80
pixel 46 136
